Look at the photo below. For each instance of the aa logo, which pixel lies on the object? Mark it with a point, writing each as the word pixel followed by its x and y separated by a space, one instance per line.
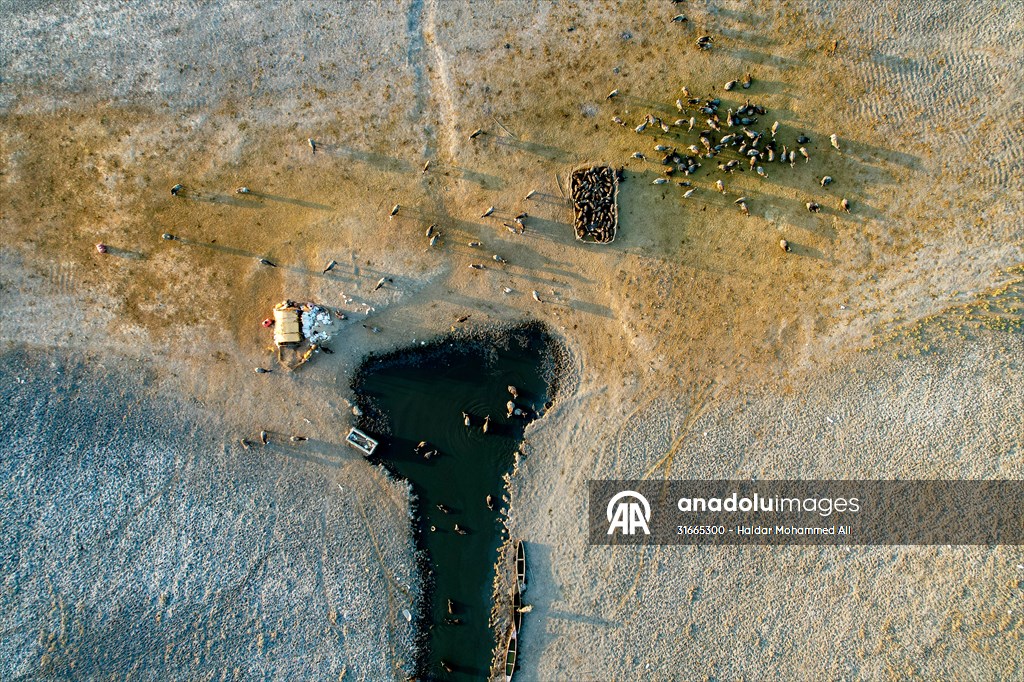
pixel 629 515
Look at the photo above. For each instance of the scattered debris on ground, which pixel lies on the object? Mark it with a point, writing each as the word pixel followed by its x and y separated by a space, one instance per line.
pixel 300 330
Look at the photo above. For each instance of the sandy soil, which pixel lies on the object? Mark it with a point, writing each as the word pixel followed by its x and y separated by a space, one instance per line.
pixel 698 347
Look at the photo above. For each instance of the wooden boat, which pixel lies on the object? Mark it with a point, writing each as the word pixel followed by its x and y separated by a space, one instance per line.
pixel 510 654
pixel 361 442
pixel 517 605
pixel 521 564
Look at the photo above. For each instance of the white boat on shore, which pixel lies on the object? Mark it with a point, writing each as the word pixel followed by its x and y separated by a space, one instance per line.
pixel 361 442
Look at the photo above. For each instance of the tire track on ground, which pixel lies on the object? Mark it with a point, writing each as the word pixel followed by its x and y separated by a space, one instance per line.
pixel 421 28
pixel 700 400
pixel 442 86
pixel 390 586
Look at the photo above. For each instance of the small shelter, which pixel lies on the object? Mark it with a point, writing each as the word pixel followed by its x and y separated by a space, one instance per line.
pixel 287 329
pixel 300 330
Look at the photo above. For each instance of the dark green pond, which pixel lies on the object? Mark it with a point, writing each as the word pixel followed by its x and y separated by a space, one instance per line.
pixel 418 395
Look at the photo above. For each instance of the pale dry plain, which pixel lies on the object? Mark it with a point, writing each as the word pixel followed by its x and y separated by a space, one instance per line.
pixel 139 539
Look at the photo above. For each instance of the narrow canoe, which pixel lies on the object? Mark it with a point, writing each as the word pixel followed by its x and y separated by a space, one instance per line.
pixel 521 563
pixel 510 655
pixel 517 605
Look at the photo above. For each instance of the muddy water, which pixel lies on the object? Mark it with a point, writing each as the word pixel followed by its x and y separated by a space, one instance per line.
pixel 418 395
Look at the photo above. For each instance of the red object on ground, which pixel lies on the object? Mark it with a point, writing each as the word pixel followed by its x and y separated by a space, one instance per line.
pixel 101 247
pixel 269 322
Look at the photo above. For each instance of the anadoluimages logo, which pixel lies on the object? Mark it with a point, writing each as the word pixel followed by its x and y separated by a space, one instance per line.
pixel 629 515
